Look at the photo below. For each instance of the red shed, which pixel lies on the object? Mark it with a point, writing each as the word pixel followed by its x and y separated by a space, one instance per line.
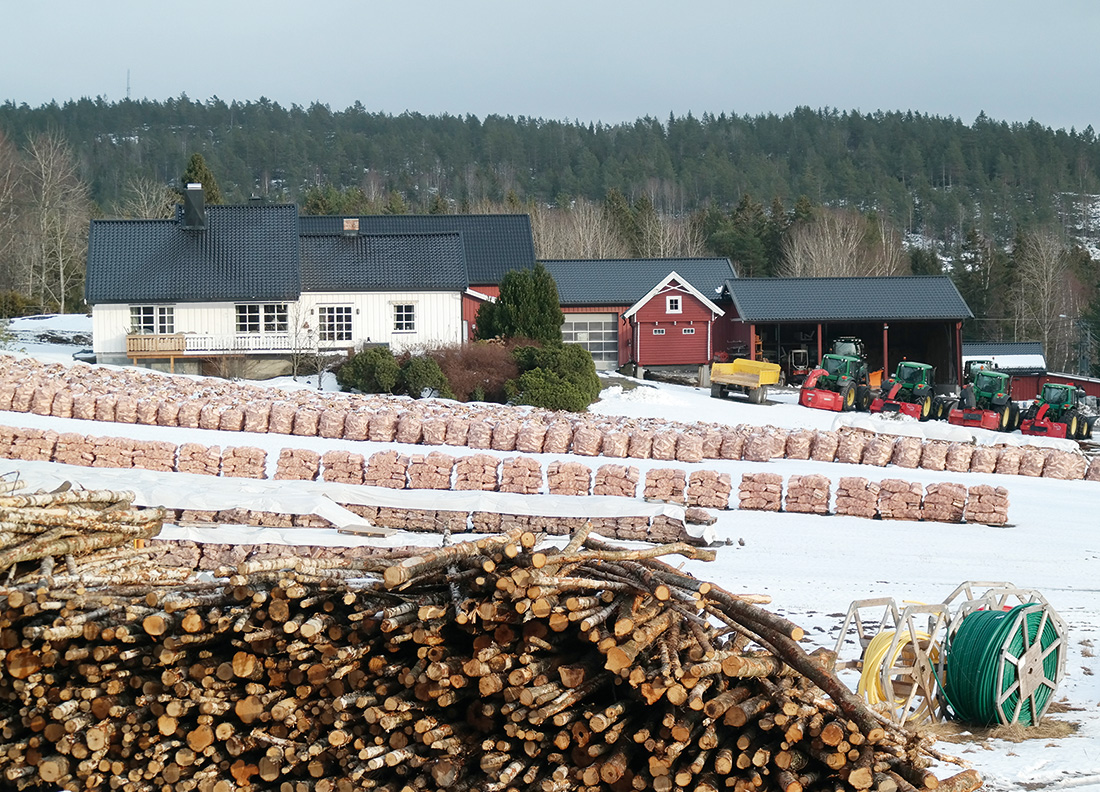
pixel 672 324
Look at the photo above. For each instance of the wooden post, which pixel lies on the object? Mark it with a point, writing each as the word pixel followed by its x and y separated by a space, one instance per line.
pixel 885 349
pixel 819 342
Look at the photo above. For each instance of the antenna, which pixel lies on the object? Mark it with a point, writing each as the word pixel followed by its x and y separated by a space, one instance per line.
pixel 127 85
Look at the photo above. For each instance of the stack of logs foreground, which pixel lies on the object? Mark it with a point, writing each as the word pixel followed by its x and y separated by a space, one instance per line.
pixel 490 665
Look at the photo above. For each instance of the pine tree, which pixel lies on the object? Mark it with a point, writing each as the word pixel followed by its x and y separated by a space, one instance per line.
pixel 528 307
pixel 198 172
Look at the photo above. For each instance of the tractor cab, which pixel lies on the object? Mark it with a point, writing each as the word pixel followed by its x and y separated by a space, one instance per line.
pixel 990 382
pixel 913 373
pixel 1057 395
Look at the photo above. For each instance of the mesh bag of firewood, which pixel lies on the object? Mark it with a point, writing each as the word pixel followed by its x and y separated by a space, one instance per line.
pixel 244 462
pixel 799 443
pixel 232 419
pixel 434 430
pixel 155 455
pixel 899 500
pixel 114 452
pixel 62 406
pixel 196 458
pixel 824 446
pixel 587 440
pixel 84 406
pixel 1065 465
pixel 907 452
pixel 733 444
pixel 458 429
pixel 958 458
pixel 616 443
pixel 987 505
pixel 480 434
pixel 409 428
pixel 476 472
pixel 934 455
pixel 712 442
pixel 761 446
pixel 280 418
pixel 664 444
pixel 558 436
pixel 306 420
pixel 386 469
pixel 188 415
pixel 1094 470
pixel 641 443
pixel 808 494
pixel 125 409
pixel 36 445
pixel 665 529
pixel 620 480
pixel 666 484
pixel 504 437
pixel 760 491
pixel 383 427
pixel 633 529
pixel 357 425
pixel 568 478
pixel 857 497
pixel 944 502
pixel 689 447
pixel 485 522
pixel 431 471
pixel 709 489
pixel 104 406
pixel 521 474
pixel 849 449
pixel 530 436
pixel 297 464
pixel 42 400
pixel 331 423
pixel 1008 461
pixel 984 459
pixel 1032 461
pixel 70 448
pixel 7 395
pixel 210 416
pixel 7 435
pixel 256 415
pixel 879 450
pixel 342 467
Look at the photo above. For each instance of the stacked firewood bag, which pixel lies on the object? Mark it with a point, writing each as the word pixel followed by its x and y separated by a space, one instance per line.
pixel 709 489
pixel 761 491
pixel 987 504
pixel 568 478
pixel 944 502
pixel 899 500
pixel 616 480
pixel 522 475
pixel 857 497
pixel 298 464
pixel 665 484
pixel 431 471
pixel 808 494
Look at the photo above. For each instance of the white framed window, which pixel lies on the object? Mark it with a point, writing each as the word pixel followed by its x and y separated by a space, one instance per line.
pixel 255 318
pixel 673 305
pixel 689 331
pixel 658 331
pixel 404 317
pixel 334 323
pixel 152 319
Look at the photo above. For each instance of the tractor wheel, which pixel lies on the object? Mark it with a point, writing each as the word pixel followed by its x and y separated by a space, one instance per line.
pixel 863 398
pixel 1088 428
pixel 847 397
pixel 1004 419
pixel 716 391
pixel 1015 419
pixel 1070 420
pixel 926 408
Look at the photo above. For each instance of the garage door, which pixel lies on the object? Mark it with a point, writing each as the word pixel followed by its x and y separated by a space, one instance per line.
pixel 596 332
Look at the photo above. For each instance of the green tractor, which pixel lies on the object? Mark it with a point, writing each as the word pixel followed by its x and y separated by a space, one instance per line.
pixel 1056 412
pixel 910 391
pixel 987 403
pixel 839 383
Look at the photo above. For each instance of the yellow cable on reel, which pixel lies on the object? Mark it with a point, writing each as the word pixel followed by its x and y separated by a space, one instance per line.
pixel 876 664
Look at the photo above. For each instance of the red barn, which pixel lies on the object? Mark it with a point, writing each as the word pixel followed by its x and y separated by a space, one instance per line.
pixel 672 325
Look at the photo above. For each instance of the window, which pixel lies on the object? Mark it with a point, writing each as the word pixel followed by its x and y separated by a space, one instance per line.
pixel 672 305
pixel 262 318
pixel 658 331
pixel 152 319
pixel 404 318
pixel 334 323
pixel 689 331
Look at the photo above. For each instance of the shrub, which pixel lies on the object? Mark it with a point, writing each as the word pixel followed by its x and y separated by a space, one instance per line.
pixel 371 370
pixel 547 389
pixel 528 306
pixel 420 373
pixel 565 375
pixel 477 371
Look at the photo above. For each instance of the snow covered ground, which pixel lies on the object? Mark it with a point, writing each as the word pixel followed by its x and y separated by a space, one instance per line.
pixel 813 567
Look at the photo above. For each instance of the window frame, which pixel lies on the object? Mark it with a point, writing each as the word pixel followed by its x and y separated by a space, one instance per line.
pixel 150 319
pixel 335 323
pixel 689 331
pixel 252 319
pixel 408 323
pixel 674 304
pixel 658 331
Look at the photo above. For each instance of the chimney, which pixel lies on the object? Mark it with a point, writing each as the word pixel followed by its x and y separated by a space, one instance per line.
pixel 194 208
pixel 351 226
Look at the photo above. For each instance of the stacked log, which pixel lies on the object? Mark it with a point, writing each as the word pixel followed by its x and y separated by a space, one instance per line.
pixel 899 500
pixel 808 494
pixel 849 449
pixel 154 455
pixel 665 484
pixel 477 472
pixel 959 457
pixel 1065 465
pixel 761 491
pixel 431 471
pixel 987 505
pixel 342 467
pixel 709 489
pixel 297 464
pixel 857 497
pixel 616 480
pixel 484 665
pixel 879 450
pixel 522 475
pixel 196 458
pixel 568 478
pixel 244 462
pixel 944 502
pixel 386 469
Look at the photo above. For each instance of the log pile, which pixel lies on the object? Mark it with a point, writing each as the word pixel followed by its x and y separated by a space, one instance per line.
pixel 709 489
pixel 900 500
pixel 857 497
pixel 489 665
pixel 944 502
pixel 808 494
pixel 761 491
pixel 665 484
pixel 988 505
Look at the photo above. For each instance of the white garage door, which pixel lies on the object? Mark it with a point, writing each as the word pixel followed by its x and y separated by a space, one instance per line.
pixel 596 332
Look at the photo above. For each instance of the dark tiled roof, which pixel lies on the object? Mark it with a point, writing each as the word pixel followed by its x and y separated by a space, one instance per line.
pixel 383 262
pixel 990 348
pixel 495 244
pixel 852 299
pixel 625 281
pixel 245 253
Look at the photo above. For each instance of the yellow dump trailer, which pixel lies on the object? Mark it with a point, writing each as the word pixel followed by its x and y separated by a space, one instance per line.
pixel 750 377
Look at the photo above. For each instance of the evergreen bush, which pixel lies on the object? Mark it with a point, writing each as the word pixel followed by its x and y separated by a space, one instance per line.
pixel 371 370
pixel 556 377
pixel 421 373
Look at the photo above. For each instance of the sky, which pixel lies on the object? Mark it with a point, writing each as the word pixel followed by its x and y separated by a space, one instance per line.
pixel 600 61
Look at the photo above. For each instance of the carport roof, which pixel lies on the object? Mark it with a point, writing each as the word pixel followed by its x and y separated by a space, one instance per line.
pixel 625 281
pixel 898 298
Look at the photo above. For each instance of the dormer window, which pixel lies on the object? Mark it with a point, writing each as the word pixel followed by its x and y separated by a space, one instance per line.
pixel 673 305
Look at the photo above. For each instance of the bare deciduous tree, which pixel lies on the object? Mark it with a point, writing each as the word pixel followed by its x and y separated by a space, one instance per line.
pixel 147 199
pixel 1043 302
pixel 842 243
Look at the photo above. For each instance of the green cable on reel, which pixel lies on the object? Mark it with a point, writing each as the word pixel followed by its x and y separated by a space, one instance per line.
pixel 1003 666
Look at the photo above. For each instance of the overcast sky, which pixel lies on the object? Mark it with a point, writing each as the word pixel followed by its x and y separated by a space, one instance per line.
pixel 569 59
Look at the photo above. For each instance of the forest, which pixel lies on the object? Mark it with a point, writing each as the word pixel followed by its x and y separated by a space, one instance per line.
pixel 1008 210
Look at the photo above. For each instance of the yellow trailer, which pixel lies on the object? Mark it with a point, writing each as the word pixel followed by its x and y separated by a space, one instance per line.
pixel 750 377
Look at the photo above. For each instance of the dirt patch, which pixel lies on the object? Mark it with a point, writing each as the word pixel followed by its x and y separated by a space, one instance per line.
pixel 1048 729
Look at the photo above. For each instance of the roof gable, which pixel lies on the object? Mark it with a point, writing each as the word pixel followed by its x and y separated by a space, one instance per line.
pixel 493 244
pixel 682 284
pixel 847 299
pixel 247 252
pixel 383 262
pixel 626 281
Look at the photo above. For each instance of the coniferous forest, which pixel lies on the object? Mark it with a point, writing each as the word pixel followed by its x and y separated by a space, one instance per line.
pixel 1008 210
